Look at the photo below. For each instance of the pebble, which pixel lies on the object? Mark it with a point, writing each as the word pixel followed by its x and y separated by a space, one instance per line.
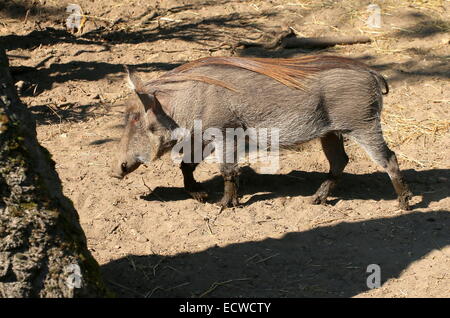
pixel 141 239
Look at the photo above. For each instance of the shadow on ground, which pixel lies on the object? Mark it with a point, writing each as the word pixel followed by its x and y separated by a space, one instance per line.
pixel 329 261
pixel 371 186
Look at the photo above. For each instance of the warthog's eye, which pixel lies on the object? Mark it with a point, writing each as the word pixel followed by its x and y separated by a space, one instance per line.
pixel 152 128
pixel 135 117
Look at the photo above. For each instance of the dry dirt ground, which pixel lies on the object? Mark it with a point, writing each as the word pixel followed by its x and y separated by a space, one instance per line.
pixel 153 240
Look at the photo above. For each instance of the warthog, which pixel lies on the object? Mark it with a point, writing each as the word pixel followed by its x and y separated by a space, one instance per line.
pixel 309 97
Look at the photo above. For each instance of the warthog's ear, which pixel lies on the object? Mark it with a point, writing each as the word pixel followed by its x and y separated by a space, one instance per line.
pixel 136 84
pixel 149 100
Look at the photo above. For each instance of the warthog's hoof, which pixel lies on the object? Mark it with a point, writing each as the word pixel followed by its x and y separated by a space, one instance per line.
pixel 403 204
pixel 403 201
pixel 228 202
pixel 318 199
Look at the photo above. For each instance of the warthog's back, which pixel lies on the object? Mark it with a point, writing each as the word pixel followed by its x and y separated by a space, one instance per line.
pixel 332 98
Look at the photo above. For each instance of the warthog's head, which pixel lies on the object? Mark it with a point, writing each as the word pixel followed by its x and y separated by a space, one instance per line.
pixel 147 131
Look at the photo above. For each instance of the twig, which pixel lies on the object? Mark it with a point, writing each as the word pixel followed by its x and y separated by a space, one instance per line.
pixel 209 227
pixel 267 258
pixel 215 285
pixel 126 288
pixel 133 264
pixel 250 258
pixel 156 266
pixel 54 111
pixel 151 191
pixel 149 294
pixel 26 16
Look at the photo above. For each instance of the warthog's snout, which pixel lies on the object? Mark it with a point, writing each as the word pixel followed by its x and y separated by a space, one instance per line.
pixel 121 169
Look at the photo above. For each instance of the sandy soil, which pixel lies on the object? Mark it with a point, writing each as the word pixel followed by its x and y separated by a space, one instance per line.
pixel 153 240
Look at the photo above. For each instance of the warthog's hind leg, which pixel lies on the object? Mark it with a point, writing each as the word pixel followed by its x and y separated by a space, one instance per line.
pixel 374 144
pixel 230 174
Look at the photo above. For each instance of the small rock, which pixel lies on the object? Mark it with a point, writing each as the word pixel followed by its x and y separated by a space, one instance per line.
pixel 21 86
pixel 141 239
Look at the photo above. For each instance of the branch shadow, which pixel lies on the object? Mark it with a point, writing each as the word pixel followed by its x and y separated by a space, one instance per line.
pixel 198 30
pixel 328 261
pixel 371 186
pixel 45 37
pixel 426 26
pixel 17 9
pixel 44 79
pixel 86 71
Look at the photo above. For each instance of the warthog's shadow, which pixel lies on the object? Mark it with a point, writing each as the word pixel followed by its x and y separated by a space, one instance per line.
pixel 328 261
pixel 432 185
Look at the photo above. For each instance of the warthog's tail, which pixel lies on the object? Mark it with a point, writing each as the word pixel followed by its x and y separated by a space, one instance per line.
pixel 381 81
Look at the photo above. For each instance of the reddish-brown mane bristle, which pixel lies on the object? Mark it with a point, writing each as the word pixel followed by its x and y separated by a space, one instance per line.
pixel 291 72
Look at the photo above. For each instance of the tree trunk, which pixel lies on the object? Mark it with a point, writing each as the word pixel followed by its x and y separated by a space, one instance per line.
pixel 43 250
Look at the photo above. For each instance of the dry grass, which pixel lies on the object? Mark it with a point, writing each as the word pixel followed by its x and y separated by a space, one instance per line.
pixel 399 129
pixel 427 4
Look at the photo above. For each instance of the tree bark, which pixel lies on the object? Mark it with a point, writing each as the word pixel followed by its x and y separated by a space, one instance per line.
pixel 43 249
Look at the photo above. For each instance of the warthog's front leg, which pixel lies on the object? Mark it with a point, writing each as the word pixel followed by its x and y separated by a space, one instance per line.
pixel 230 174
pixel 333 147
pixel 191 186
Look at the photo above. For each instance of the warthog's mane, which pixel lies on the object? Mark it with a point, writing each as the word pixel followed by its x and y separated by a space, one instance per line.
pixel 291 72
